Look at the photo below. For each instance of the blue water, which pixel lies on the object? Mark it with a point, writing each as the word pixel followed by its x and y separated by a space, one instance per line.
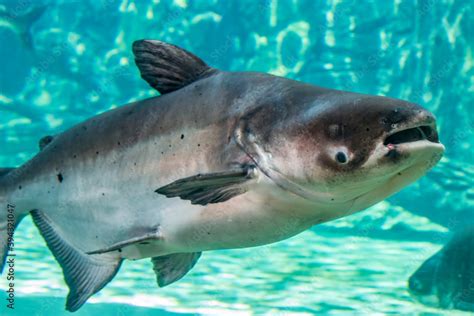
pixel 79 63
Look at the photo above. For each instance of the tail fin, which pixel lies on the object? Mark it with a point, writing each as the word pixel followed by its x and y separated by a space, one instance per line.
pixel 8 222
pixel 27 21
pixel 23 23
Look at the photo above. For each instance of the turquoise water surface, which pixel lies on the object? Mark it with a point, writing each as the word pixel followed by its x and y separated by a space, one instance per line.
pixel 75 61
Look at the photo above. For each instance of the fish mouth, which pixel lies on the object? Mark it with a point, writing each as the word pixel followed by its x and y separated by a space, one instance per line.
pixel 412 134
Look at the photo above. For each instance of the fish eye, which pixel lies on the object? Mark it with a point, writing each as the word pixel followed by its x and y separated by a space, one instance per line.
pixel 341 157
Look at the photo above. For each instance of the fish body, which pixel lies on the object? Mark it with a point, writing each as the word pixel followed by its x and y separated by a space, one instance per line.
pixel 220 160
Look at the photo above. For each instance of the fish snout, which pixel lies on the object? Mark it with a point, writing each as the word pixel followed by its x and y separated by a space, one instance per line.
pixel 416 286
pixel 407 125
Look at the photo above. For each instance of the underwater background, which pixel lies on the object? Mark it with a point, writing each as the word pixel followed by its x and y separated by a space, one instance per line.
pixel 75 61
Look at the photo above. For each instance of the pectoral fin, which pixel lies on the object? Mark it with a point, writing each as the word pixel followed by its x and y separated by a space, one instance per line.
pixel 211 187
pixel 133 248
pixel 171 268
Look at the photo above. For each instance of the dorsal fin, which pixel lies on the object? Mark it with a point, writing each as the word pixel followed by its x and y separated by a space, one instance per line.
pixel 5 171
pixel 167 67
pixel 44 141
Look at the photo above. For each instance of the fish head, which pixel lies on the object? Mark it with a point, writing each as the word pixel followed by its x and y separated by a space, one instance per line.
pixel 446 279
pixel 358 149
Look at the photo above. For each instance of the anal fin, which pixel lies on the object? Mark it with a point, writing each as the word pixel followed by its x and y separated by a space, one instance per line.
pixel 171 268
pixel 85 275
